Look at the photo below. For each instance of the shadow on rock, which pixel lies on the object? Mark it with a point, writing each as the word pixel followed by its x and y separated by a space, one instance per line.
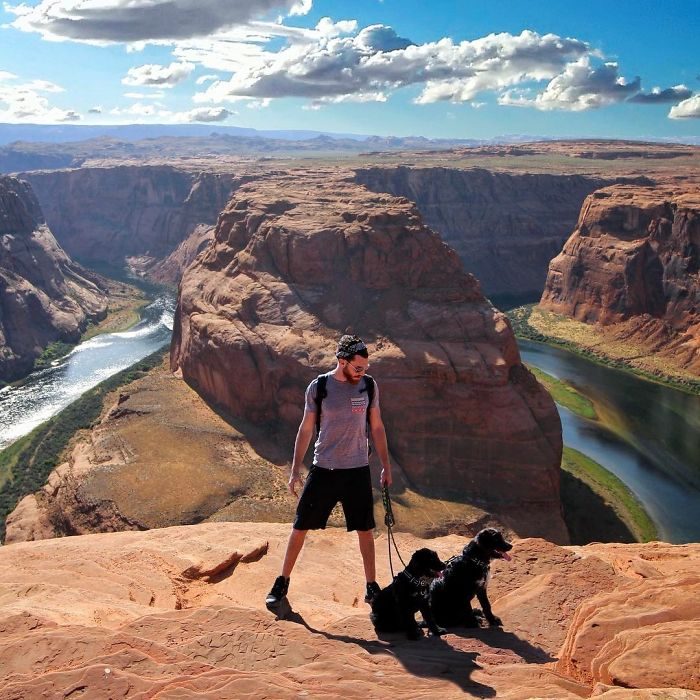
pixel 498 638
pixel 428 657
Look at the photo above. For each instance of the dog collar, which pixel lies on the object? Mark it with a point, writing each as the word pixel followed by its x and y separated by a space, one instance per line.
pixel 412 579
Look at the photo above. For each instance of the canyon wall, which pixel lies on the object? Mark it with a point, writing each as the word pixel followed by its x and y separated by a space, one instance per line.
pixel 299 258
pixel 110 215
pixel 505 227
pixel 631 266
pixel 44 295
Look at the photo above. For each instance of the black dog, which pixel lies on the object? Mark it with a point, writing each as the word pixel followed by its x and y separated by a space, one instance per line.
pixel 394 607
pixel 466 576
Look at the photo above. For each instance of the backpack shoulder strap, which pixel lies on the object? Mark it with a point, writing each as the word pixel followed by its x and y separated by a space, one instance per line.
pixel 369 386
pixel 321 393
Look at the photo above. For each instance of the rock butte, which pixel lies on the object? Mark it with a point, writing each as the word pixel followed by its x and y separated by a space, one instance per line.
pixel 298 258
pixel 632 266
pixel 178 612
pixel 44 295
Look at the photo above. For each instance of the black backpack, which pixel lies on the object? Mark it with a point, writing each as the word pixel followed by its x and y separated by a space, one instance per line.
pixel 322 392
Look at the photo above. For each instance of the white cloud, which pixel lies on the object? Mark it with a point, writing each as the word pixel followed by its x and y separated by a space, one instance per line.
pixel 44 86
pixel 151 112
pixel 688 109
pixel 259 104
pixel 144 96
pixel 242 48
pixel 659 96
pixel 113 21
pixel 357 97
pixel 139 109
pixel 69 116
pixel 207 78
pixel 213 114
pixel 97 109
pixel 151 74
pixel 377 60
pixel 301 7
pixel 24 102
pixel 581 86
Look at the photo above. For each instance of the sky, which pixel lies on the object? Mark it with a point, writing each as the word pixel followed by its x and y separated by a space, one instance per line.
pixel 437 68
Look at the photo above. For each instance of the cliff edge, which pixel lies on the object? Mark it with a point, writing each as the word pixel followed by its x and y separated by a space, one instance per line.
pixel 179 612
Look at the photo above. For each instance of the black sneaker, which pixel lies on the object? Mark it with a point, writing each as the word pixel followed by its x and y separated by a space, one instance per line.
pixel 372 590
pixel 277 592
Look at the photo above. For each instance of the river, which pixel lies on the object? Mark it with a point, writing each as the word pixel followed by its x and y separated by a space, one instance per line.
pixel 648 435
pixel 46 392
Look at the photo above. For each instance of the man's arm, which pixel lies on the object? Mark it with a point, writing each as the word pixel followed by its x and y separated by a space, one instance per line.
pixel 301 444
pixel 376 426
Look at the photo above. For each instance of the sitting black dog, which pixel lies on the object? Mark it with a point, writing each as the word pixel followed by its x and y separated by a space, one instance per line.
pixel 394 607
pixel 466 576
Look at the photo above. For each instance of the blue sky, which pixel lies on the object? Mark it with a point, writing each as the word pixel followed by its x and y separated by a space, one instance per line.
pixel 459 69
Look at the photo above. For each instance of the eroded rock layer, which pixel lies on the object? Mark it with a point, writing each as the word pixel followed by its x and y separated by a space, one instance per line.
pixel 506 227
pixel 113 214
pixel 179 612
pixel 44 295
pixel 632 267
pixel 298 259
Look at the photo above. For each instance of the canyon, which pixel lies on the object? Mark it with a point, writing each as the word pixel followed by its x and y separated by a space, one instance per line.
pixel 44 295
pixel 295 261
pixel 274 261
pixel 298 258
pixel 505 227
pixel 129 215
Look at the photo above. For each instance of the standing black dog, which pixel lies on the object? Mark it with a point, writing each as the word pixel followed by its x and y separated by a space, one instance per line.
pixel 394 607
pixel 467 575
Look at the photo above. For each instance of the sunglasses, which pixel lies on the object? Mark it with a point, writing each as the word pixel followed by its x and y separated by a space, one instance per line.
pixel 359 370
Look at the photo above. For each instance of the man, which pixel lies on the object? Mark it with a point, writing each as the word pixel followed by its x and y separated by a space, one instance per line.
pixel 340 470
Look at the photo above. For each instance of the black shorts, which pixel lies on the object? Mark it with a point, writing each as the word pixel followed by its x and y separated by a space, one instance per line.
pixel 326 487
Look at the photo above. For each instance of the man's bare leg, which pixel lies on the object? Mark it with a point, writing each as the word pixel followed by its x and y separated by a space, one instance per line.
pixel 294 545
pixel 366 541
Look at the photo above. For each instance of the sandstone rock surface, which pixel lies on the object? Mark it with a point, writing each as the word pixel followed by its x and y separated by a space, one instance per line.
pixel 179 612
pixel 110 214
pixel 632 267
pixel 44 295
pixel 300 257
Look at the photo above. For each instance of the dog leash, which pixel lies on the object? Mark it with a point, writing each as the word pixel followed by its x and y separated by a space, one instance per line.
pixel 390 522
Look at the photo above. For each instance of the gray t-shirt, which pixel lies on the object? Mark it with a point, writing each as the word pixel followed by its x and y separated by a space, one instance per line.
pixel 342 439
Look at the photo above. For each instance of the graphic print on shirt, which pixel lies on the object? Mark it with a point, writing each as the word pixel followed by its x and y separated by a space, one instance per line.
pixel 357 404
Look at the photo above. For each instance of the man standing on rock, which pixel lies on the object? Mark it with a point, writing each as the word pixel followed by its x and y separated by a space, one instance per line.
pixel 348 402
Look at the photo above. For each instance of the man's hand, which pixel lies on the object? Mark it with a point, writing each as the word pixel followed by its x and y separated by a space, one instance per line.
pixel 294 480
pixel 385 478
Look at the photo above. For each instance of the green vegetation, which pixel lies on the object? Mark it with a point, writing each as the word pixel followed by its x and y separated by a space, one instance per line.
pixel 598 506
pixel 26 464
pixel 519 320
pixel 53 351
pixel 565 395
